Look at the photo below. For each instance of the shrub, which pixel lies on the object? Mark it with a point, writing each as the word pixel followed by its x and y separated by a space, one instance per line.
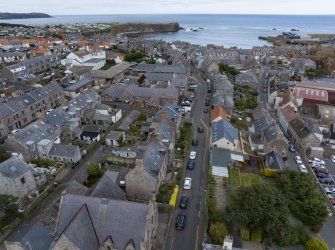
pixel 94 171
pixel 256 236
pixel 244 233
pixel 316 244
pixel 43 162
pixel 217 232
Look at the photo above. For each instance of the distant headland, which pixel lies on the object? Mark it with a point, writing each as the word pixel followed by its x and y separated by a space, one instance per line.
pixel 6 15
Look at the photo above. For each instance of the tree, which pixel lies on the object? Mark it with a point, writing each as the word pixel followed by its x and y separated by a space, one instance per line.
pixel 316 244
pixel 94 171
pixel 261 207
pixel 217 232
pixel 4 155
pixel 303 200
pixel 8 204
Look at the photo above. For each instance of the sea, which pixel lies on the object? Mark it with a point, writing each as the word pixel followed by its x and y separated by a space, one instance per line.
pixel 241 31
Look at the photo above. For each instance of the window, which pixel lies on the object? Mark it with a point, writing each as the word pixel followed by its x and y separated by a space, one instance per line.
pixel 23 181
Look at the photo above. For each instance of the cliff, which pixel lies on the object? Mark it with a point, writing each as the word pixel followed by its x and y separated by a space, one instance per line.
pixel 140 28
pixel 5 15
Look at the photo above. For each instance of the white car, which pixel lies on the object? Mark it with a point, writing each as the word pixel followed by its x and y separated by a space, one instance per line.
pixel 298 159
pixel 193 154
pixel 330 190
pixel 187 183
pixel 303 169
pixel 332 159
pixel 317 160
pixel 317 165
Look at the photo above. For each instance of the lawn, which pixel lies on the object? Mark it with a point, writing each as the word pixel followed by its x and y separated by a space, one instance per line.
pixel 243 179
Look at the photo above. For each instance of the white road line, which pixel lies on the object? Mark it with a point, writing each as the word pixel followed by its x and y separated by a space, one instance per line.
pixel 172 243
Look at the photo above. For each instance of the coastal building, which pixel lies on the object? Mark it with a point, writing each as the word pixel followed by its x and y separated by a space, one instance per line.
pixel 85 57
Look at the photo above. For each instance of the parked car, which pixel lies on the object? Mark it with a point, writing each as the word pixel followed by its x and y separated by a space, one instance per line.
pixel 320 170
pixel 303 169
pixel 183 202
pixel 200 129
pixel 207 101
pixel 193 154
pixel 180 222
pixel 194 142
pixel 316 160
pixel 205 110
pixel 316 165
pixel 330 190
pixel 331 196
pixel 190 164
pixel 187 183
pixel 332 159
pixel 298 159
pixel 292 148
pixel 322 175
pixel 327 180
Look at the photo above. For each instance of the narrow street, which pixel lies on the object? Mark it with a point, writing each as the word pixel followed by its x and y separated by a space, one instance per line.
pixel 192 236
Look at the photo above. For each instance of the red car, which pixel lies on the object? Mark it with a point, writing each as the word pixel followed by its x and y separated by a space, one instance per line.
pixel 332 201
pixel 205 110
pixel 320 170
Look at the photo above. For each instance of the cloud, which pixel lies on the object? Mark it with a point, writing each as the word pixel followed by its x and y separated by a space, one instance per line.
pixel 68 7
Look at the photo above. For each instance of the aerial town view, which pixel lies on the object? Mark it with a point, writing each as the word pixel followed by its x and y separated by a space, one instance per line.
pixel 167 125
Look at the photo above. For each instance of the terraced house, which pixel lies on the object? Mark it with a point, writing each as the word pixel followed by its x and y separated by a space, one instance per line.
pixel 23 110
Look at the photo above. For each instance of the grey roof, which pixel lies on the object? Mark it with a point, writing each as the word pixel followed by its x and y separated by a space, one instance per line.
pixel 15 105
pixel 59 116
pixel 122 220
pixel 223 129
pixel 111 72
pixel 129 119
pixel 261 119
pixel 80 70
pixel 35 237
pixel 300 127
pixel 36 132
pixel 107 187
pixel 13 168
pixel 270 133
pixel 153 157
pixel 63 150
pixel 160 68
pixel 114 135
pixel 220 157
pixel 247 78
pixel 32 61
pixel 84 100
pixel 79 84
pixel 173 112
pixel 274 160
pixel 11 54
pixel 312 126
pixel 81 230
pixel 155 77
pixel 5 111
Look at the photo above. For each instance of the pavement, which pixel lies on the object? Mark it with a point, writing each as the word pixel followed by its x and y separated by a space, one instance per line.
pixel 192 235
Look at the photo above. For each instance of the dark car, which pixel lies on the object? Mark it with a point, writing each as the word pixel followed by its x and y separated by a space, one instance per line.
pixel 322 175
pixel 320 170
pixel 207 101
pixel 292 148
pixel 327 180
pixel 205 110
pixel 190 164
pixel 183 202
pixel 200 129
pixel 194 142
pixel 180 222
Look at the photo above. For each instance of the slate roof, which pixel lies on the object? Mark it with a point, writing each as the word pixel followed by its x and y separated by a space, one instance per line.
pixel 313 127
pixel 36 132
pixel 223 129
pixel 173 112
pixel 300 128
pixel 32 61
pixel 129 119
pixel 107 187
pixel 153 158
pixel 122 220
pixel 84 100
pixel 220 157
pixel 5 111
pixel 59 116
pixel 247 78
pixel 63 150
pixel 114 135
pixel 13 168
pixel 80 70
pixel 274 160
pixel 35 237
pixel 261 119
pixel 79 84
pixel 160 68
pixel 111 72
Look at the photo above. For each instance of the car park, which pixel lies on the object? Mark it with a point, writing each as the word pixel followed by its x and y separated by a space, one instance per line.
pixel 193 154
pixel 303 169
pixel 298 159
pixel 190 164
pixel 180 222
pixel 183 202
pixel 187 183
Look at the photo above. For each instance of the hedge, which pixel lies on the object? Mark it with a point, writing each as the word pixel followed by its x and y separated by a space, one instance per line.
pixel 256 236
pixel 244 233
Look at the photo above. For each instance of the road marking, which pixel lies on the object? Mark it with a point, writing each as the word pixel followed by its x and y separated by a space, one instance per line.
pixel 196 238
pixel 172 243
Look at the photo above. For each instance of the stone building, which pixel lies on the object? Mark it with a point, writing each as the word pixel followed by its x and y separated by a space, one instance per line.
pixel 16 178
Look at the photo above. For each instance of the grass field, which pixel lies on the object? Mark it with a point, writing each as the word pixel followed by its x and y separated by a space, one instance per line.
pixel 243 179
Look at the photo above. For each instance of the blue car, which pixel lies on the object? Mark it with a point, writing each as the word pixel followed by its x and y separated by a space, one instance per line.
pixel 190 164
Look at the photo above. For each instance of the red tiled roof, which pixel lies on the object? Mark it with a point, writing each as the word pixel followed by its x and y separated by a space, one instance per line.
pixel 219 112
pixel 289 113
pixel 311 94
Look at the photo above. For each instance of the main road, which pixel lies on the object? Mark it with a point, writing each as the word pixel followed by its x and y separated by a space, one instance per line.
pixel 192 236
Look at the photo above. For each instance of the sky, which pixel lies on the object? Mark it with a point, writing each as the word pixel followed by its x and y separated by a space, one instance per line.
pixel 70 7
